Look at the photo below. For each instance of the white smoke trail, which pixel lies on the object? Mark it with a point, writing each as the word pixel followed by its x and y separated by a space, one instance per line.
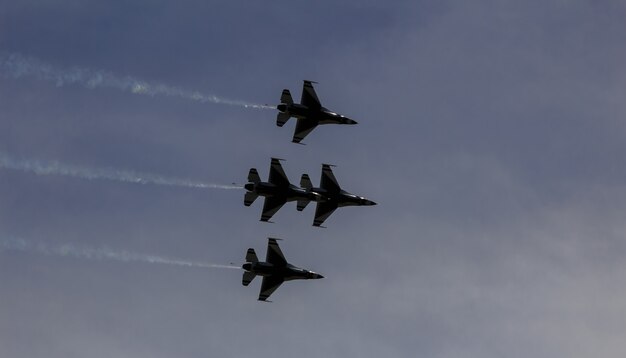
pixel 100 254
pixel 55 168
pixel 16 66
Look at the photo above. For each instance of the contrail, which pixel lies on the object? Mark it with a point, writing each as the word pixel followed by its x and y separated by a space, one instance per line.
pixel 16 66
pixel 100 254
pixel 56 168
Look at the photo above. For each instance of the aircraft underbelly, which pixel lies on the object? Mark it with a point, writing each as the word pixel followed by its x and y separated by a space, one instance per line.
pixel 346 203
pixel 330 120
pixel 272 192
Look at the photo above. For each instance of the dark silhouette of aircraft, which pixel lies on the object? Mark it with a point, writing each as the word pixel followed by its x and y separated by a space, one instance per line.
pixel 277 191
pixel 332 194
pixel 309 112
pixel 275 270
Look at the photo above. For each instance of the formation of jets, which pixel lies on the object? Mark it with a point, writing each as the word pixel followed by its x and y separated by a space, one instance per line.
pixel 278 190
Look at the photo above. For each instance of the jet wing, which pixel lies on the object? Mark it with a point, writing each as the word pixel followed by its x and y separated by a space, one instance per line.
pixel 303 128
pixel 268 286
pixel 328 180
pixel 322 212
pixel 277 174
pixel 271 206
pixel 309 97
pixel 274 254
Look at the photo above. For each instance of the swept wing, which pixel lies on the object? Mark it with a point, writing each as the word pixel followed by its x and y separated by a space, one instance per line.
pixel 323 211
pixel 328 180
pixel 277 174
pixel 271 206
pixel 274 254
pixel 268 286
pixel 309 97
pixel 303 128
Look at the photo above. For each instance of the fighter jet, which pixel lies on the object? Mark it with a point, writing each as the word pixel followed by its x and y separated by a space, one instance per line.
pixel 309 112
pixel 333 195
pixel 275 270
pixel 277 191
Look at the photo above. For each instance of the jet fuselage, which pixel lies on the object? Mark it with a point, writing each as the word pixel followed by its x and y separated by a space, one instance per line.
pixel 288 272
pixel 342 198
pixel 321 115
pixel 290 193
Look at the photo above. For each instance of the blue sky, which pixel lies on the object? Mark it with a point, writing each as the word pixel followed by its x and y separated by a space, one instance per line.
pixel 491 133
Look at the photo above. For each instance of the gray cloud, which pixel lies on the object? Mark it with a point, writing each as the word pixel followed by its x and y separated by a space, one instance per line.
pixel 489 132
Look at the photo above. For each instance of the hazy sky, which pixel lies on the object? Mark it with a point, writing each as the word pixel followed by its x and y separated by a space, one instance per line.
pixel 491 133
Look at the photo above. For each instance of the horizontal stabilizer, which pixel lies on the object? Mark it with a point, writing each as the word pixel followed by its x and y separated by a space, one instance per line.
pixel 247 278
pixel 286 97
pixel 253 176
pixel 249 198
pixel 282 118
pixel 251 256
pixel 302 204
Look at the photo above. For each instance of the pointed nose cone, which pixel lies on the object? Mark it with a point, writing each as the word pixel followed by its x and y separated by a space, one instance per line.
pixel 369 202
pixel 318 276
pixel 351 121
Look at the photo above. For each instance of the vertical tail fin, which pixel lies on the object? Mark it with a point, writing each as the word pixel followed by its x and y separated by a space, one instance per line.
pixel 247 278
